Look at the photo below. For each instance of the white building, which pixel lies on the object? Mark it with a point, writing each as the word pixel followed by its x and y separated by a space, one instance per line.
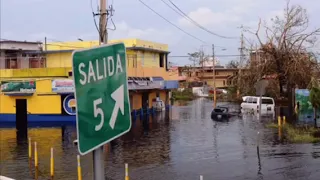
pixel 209 63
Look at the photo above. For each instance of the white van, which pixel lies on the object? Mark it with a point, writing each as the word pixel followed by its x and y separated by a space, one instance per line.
pixel 252 103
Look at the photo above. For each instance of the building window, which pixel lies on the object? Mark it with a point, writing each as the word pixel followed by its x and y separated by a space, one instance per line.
pixel 132 60
pixel 135 61
pixel 142 58
pixel 36 62
pixel 161 62
pixel 154 58
pixel 224 82
pixel 216 73
pixel 11 63
pixel 131 101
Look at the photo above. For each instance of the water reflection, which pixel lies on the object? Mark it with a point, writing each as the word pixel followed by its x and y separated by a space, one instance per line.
pixel 181 144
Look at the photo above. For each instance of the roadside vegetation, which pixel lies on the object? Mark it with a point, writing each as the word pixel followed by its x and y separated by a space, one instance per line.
pixel 186 95
pixel 298 134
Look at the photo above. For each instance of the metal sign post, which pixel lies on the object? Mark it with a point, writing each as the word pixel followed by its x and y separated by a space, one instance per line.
pixel 261 90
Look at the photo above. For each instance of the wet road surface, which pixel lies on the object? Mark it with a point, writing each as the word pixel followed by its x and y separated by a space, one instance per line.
pixel 181 145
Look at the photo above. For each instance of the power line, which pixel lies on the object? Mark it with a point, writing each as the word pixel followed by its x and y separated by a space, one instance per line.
pixel 197 24
pixel 231 55
pixel 171 22
pixel 70 46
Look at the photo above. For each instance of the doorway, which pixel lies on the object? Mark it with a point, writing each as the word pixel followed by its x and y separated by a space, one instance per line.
pixel 21 117
pixel 145 100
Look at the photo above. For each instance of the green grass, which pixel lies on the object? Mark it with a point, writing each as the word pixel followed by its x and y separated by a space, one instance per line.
pixel 304 134
pixel 301 134
pixel 272 125
pixel 184 95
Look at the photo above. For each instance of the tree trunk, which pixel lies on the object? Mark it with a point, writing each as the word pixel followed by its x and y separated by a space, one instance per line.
pixel 290 102
pixel 315 116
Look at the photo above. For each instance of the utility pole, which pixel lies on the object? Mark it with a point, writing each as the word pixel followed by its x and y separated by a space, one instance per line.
pixel 45 44
pixel 103 36
pixel 98 159
pixel 214 78
pixel 241 62
pixel 202 60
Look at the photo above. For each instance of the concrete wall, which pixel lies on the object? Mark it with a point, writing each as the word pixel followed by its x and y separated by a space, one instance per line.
pixel 59 59
pixel 220 83
pixel 17 46
pixel 149 67
pixel 88 44
pixel 2 60
pixel 33 73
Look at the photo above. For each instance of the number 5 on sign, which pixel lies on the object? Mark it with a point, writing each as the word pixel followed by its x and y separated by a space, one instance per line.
pixel 98 111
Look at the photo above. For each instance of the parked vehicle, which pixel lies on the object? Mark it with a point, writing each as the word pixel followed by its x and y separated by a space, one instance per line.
pixel 220 113
pixel 252 103
pixel 223 113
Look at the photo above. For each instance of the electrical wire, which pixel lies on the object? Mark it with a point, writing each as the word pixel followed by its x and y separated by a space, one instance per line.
pixel 197 24
pixel 231 55
pixel 95 22
pixel 170 22
pixel 94 19
pixel 70 46
pixel 180 56
pixel 115 27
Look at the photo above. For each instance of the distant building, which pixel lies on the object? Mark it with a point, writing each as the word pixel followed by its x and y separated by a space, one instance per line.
pixel 224 76
pixel 209 63
pixel 257 57
pixel 20 54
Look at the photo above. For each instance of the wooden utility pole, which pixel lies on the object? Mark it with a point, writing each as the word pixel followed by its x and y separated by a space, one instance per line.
pixel 214 78
pixel 202 61
pixel 240 64
pixel 98 163
pixel 103 36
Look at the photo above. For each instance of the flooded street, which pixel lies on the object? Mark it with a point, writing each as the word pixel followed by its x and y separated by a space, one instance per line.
pixel 181 145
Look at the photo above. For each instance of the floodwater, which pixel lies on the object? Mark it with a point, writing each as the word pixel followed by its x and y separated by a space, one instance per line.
pixel 181 145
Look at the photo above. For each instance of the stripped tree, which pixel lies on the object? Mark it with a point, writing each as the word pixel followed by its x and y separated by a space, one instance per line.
pixel 285 50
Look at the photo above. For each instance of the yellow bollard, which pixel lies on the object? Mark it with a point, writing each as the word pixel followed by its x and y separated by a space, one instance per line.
pixel 126 172
pixel 279 133
pixel 201 177
pixel 52 164
pixel 30 148
pixel 35 155
pixel 279 121
pixel 79 168
pixel 284 120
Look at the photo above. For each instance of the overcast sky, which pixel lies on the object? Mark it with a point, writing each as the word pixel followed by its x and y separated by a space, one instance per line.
pixel 68 20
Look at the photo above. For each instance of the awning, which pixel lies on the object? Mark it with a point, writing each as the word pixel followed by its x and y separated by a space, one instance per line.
pixel 172 84
pixel 157 78
pixel 143 85
pixel 18 93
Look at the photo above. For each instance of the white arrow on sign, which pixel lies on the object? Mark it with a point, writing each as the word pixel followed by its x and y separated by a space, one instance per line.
pixel 118 96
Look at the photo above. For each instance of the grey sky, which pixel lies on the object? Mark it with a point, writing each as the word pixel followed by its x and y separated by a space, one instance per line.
pixel 68 20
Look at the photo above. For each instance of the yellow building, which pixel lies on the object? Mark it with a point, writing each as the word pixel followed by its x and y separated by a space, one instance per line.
pixel 47 83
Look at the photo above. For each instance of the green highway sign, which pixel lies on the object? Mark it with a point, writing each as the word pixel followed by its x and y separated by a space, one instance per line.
pixel 102 96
